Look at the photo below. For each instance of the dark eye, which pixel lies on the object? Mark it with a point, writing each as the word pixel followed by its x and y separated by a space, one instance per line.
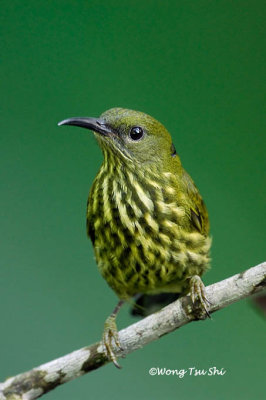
pixel 136 133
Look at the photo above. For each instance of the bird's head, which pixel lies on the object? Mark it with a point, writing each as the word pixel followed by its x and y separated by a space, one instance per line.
pixel 132 136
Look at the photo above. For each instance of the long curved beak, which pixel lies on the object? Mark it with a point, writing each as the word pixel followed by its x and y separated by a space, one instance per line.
pixel 94 124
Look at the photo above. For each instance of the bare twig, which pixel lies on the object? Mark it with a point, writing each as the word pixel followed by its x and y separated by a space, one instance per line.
pixel 33 384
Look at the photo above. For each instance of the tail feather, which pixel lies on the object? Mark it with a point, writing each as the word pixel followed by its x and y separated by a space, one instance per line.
pixel 146 304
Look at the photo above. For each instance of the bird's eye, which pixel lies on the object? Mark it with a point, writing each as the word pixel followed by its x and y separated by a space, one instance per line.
pixel 136 133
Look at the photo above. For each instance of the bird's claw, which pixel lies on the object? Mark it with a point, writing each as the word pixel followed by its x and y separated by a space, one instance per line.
pixel 110 334
pixel 198 294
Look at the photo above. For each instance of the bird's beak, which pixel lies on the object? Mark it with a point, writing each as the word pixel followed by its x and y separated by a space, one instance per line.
pixel 94 124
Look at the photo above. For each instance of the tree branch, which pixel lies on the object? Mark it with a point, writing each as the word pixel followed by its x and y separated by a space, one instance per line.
pixel 33 384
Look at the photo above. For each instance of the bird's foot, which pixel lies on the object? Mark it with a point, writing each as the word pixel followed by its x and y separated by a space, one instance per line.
pixel 199 298
pixel 110 334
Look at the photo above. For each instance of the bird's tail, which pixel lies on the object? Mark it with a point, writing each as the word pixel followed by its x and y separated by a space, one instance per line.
pixel 146 304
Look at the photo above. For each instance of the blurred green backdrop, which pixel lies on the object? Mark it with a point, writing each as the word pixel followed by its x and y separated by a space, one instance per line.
pixel 198 67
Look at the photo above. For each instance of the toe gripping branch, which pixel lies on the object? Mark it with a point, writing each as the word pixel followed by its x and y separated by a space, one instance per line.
pixel 110 334
pixel 199 298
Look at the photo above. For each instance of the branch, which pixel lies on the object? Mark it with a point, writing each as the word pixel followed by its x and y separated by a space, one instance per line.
pixel 33 384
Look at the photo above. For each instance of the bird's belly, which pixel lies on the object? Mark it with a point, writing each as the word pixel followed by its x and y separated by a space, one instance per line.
pixel 149 263
pixel 143 239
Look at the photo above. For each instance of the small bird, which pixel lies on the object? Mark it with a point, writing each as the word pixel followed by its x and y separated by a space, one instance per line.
pixel 145 217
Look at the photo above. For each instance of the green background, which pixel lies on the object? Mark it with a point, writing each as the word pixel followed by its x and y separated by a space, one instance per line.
pixel 198 67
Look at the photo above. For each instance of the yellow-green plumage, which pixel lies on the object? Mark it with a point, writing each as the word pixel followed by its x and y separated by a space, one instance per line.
pixel 145 216
pixel 146 219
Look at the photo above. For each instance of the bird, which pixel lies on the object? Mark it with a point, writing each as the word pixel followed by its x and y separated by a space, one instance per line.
pixel 146 219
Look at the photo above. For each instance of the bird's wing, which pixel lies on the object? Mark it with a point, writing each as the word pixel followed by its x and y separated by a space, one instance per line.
pixel 198 212
pixel 90 225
